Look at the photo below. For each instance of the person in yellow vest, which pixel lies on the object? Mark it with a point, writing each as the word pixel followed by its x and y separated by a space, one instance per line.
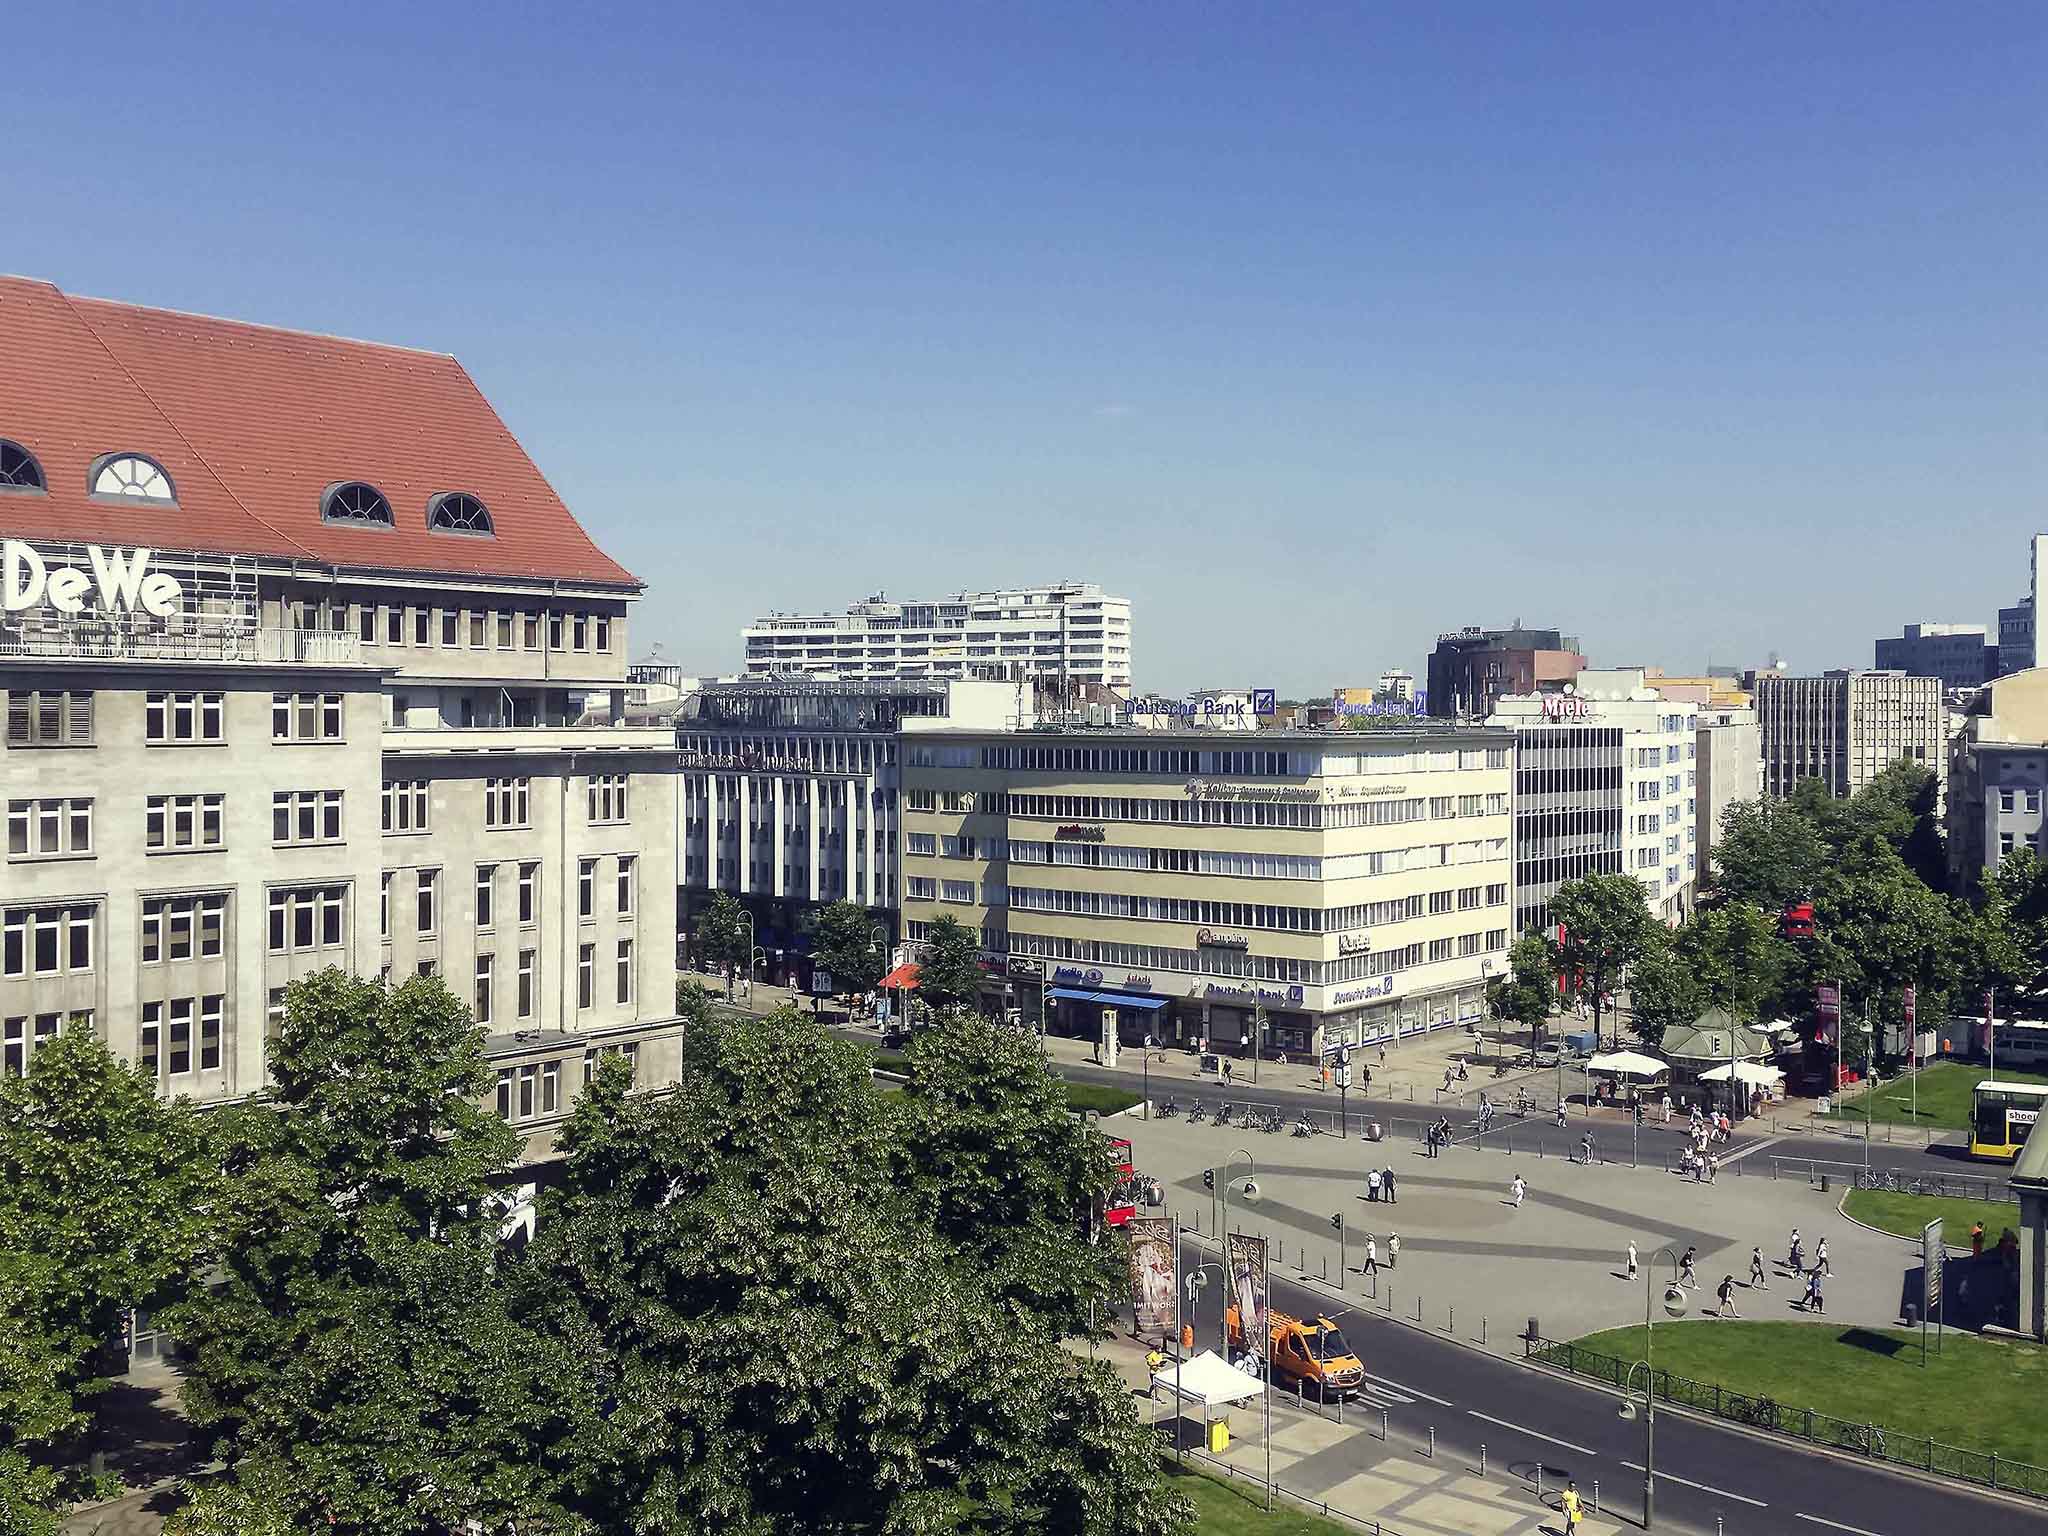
pixel 1568 1506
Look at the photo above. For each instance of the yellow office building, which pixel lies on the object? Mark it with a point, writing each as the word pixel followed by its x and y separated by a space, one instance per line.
pixel 1353 888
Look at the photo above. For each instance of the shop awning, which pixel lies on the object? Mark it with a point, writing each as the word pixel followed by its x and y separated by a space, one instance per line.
pixel 1107 999
pixel 904 975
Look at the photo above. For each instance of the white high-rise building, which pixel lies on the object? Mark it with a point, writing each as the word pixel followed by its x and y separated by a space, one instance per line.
pixel 1068 631
pixel 1606 782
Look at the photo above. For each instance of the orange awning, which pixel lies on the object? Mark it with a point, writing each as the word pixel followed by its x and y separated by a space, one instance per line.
pixel 904 976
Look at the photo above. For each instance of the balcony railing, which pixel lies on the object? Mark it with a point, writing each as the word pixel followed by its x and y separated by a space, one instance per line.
pixel 86 640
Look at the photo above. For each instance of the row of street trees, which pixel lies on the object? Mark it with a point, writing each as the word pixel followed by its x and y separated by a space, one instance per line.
pixel 1873 868
pixel 850 943
pixel 776 1300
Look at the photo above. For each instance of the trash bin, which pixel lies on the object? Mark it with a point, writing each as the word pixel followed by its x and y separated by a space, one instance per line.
pixel 1823 1183
pixel 1219 1436
pixel 1374 1130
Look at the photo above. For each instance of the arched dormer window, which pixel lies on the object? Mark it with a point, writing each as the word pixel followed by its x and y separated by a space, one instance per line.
pixel 131 477
pixel 19 470
pixel 355 505
pixel 459 512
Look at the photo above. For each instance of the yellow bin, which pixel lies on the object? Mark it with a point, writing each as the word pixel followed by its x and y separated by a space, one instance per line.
pixel 1219 1436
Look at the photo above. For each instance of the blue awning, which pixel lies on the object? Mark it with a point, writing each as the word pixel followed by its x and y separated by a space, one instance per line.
pixel 1108 999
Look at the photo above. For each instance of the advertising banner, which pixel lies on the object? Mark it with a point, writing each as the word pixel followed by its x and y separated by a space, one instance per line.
pixel 1245 1258
pixel 1152 1274
pixel 1827 1009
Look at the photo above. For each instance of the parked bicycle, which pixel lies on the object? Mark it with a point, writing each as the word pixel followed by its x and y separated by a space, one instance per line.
pixel 1168 1109
pixel 1198 1114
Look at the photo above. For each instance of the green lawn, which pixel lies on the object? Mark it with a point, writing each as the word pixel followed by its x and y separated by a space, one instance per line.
pixel 1980 1394
pixel 1226 1508
pixel 1908 1214
pixel 1945 1090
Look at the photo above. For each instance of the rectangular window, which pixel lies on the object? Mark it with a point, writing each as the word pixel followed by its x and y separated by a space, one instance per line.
pixel 483 988
pixel 49 829
pixel 210 1013
pixel 305 816
pixel 149 1044
pixel 422 625
pixel 449 622
pixel 625 971
pixel 586 888
pixel 427 908
pixel 528 960
pixel 586 974
pixel 504 631
pixel 550 1087
pixel 306 917
pixel 486 887
pixel 607 795
pixel 179 719
pixel 625 892
pixel 529 895
pixel 479 636
pixel 405 805
pixel 554 632
pixel 181 1036
pixel 305 717
pixel 384 905
pixel 505 1079
pixel 1439 949
pixel 49 719
pixel 602 631
pixel 506 802
pixel 580 630
pixel 529 1082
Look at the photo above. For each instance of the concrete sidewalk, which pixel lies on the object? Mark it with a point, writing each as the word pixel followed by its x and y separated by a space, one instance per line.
pixel 1347 1469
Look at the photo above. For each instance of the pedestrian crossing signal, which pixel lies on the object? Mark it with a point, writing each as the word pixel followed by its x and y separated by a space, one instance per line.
pixel 1337 1222
pixel 1209 1179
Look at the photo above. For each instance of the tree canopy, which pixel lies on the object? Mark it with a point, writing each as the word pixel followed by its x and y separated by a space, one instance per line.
pixel 949 968
pixel 1607 927
pixel 1527 995
pixel 724 935
pixel 844 942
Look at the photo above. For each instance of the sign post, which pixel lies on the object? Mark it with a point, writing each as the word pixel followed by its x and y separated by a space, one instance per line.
pixel 1933 1254
pixel 1827 1007
pixel 1913 1048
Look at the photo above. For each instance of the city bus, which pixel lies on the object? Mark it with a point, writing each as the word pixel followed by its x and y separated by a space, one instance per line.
pixel 2001 1115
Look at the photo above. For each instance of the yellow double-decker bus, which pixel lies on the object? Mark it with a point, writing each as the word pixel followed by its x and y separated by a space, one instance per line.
pixel 2001 1116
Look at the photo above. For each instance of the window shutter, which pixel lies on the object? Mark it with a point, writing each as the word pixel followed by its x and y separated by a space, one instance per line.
pixel 18 716
pixel 80 710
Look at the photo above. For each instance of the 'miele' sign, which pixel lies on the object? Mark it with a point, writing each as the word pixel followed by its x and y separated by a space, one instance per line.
pixel 117 580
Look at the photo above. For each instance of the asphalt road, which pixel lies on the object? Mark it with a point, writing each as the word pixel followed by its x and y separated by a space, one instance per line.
pixel 1526 1417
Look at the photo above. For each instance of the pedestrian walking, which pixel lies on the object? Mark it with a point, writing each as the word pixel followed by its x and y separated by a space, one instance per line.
pixel 1793 1261
pixel 1713 1169
pixel 1820 1257
pixel 1726 1295
pixel 1383 1053
pixel 1568 1506
pixel 1387 1184
pixel 1372 1185
pixel 1631 1258
pixel 1393 1250
pixel 1519 1189
pixel 1686 1277
pixel 1756 1268
pixel 1586 1148
pixel 1372 1255
pixel 1812 1301
pixel 1447 1080
pixel 1667 1108
pixel 1226 1074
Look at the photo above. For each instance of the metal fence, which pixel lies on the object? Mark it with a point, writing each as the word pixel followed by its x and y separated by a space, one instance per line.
pixel 1955 1186
pixel 1921 1453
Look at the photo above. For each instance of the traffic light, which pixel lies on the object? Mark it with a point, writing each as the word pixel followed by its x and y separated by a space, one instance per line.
pixel 1337 1222
pixel 1209 1179
pixel 1639 1111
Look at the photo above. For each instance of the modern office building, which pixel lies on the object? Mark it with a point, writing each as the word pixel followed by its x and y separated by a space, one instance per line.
pixel 1731 770
pixel 788 795
pixel 1998 772
pixel 1343 887
pixel 2016 637
pixel 1472 670
pixel 1845 728
pixel 1067 632
pixel 296 650
pixel 1606 782
pixel 1961 655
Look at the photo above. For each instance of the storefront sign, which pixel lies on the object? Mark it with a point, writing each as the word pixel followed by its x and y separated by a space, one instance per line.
pixel 1346 996
pixel 746 762
pixel 119 579
pixel 1399 708
pixel 1136 983
pixel 1196 709
pixel 1567 706
pixel 1022 966
pixel 1354 943
pixel 1208 789
pixel 1207 938
pixel 1087 978
pixel 1238 991
pixel 1078 834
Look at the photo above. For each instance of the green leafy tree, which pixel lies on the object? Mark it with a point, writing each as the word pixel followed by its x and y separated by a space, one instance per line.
pixel 354 1348
pixel 1735 954
pixel 1526 996
pixel 104 1197
pixel 724 936
pixel 2007 936
pixel 949 970
pixel 1007 1175
pixel 1607 926
pixel 1899 807
pixel 1878 928
pixel 1664 990
pixel 778 1338
pixel 1768 856
pixel 844 942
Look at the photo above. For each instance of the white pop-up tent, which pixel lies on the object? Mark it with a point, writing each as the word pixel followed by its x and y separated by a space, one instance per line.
pixel 1207 1379
pixel 1627 1064
pixel 1755 1074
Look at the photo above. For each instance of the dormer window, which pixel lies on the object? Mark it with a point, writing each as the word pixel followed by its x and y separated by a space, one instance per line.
pixel 459 512
pixel 19 470
pixel 356 505
pixel 132 477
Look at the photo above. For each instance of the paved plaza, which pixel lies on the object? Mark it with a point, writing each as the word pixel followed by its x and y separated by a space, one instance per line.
pixel 1466 1249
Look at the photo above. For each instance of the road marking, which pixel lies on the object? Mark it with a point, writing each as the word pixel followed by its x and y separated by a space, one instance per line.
pixel 1755 1146
pixel 1396 1386
pixel 1836 1524
pixel 1723 1493
pixel 1533 1434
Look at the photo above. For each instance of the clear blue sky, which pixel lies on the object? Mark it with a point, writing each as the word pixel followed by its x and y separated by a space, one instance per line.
pixel 1316 329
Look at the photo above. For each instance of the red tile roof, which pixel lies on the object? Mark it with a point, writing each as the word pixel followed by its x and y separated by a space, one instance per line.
pixel 253 424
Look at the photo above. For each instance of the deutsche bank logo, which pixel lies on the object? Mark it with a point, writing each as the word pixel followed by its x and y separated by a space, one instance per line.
pixel 1262 701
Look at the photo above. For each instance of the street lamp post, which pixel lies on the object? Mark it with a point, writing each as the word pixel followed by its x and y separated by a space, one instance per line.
pixel 1675 1305
pixel 1193 1285
pixel 1145 1072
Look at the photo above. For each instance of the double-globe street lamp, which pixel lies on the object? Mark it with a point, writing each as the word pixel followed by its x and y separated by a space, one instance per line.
pixel 1676 1304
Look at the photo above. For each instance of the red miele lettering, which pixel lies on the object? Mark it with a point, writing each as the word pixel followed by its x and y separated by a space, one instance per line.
pixel 1566 706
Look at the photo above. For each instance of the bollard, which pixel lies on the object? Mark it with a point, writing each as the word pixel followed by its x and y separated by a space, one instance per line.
pixel 1717 1526
pixel 1383 1424
pixel 1539 1480
pixel 1451 1326
pixel 1418 1309
pixel 1432 1442
pixel 1390 1299
pixel 1482 1458
pixel 1482 1331
pixel 1596 1495
pixel 1326 1269
pixel 1340 1408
